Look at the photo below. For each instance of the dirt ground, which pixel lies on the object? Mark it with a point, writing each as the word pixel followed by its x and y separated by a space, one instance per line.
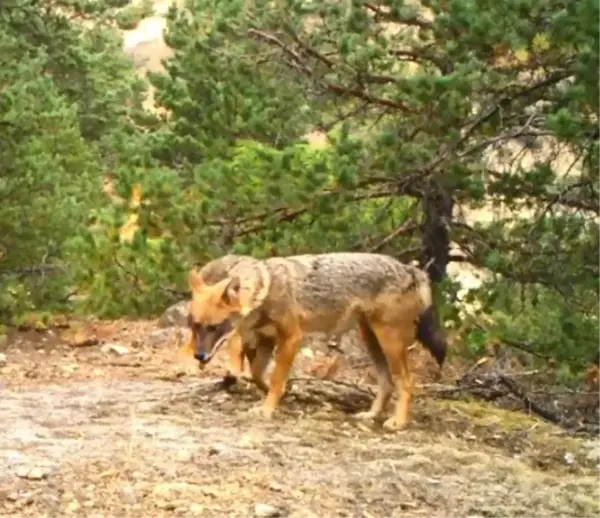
pixel 109 420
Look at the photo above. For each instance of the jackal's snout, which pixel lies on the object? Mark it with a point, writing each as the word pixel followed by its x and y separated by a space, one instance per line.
pixel 207 338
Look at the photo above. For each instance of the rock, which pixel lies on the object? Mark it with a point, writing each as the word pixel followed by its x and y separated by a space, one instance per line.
pixel 70 368
pixel 22 472
pixel 175 316
pixel 166 505
pixel 115 348
pixel 3 359
pixel 8 493
pixel 35 473
pixel 73 506
pixel 307 352
pixel 128 495
pixel 274 486
pixel 266 511
pixel 80 337
pixel 136 343
pixel 170 490
pixel 217 449
pixel 161 338
pixel 196 509
pixel 593 450
pixel 184 456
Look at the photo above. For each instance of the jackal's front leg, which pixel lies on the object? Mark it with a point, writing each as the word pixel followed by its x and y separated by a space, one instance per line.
pixel 284 358
pixel 236 356
pixel 259 358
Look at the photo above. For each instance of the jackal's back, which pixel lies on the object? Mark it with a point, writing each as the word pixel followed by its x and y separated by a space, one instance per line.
pixel 218 269
pixel 330 282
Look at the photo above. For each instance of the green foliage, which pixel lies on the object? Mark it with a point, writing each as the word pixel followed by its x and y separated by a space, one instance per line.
pixel 64 93
pixel 130 17
pixel 543 321
pixel 424 115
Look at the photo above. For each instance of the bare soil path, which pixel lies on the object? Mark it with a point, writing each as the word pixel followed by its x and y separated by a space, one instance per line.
pixel 107 431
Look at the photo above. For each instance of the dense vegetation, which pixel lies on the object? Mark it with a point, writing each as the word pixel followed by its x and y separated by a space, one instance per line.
pixel 428 112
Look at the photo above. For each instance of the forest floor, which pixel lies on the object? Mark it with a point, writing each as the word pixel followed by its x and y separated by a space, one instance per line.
pixel 107 419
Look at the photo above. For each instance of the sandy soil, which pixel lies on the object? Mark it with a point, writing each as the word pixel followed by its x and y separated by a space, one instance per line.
pixel 124 427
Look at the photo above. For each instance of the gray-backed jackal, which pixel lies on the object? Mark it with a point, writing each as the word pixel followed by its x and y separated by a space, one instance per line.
pixel 263 308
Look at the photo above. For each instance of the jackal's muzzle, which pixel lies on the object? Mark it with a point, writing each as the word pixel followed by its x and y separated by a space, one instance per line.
pixel 208 339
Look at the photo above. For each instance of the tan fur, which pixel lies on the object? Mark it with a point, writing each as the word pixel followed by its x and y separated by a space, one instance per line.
pixel 240 350
pixel 212 273
pixel 277 301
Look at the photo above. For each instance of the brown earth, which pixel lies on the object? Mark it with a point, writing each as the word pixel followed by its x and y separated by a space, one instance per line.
pixel 125 427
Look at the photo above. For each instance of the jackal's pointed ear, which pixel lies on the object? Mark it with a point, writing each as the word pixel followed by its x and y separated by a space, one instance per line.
pixel 195 280
pixel 231 293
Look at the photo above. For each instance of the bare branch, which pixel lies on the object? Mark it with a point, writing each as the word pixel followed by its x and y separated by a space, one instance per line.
pixel 381 14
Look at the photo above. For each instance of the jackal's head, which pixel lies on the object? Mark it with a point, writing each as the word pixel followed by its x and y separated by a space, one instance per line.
pixel 213 312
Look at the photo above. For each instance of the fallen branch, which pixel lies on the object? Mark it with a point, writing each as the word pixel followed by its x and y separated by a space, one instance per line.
pixel 333 383
pixel 529 405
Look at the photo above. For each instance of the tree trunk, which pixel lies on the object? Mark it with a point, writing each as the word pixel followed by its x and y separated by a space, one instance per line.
pixel 435 241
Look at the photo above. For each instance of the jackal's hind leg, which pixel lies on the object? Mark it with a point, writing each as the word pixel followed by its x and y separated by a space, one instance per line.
pixel 395 341
pixel 385 384
pixel 259 358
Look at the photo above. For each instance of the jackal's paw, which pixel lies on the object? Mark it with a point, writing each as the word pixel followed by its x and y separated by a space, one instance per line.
pixel 261 385
pixel 261 411
pixel 394 424
pixel 366 416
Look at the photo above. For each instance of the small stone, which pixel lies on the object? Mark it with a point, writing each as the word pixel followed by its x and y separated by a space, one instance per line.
pixel 593 450
pixel 569 458
pixel 13 496
pixel 73 506
pixel 217 449
pixel 37 474
pixel 128 495
pixel 196 509
pixel 266 511
pixel 307 353
pixel 115 348
pixel 184 456
pixel 274 486
pixel 166 505
pixel 22 472
pixel 3 359
pixel 80 337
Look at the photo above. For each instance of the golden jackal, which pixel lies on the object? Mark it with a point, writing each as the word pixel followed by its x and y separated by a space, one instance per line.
pixel 213 272
pixel 270 304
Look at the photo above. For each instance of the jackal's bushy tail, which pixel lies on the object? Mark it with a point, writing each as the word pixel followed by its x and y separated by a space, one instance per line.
pixel 429 332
